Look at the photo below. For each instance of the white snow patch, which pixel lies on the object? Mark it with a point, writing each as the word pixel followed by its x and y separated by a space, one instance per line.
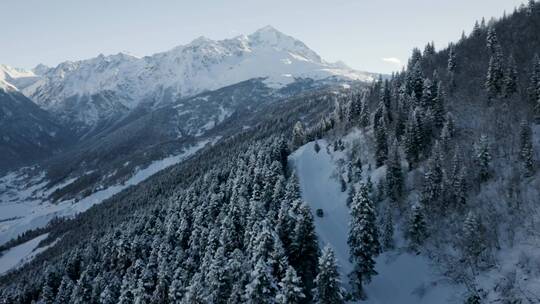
pixel 18 255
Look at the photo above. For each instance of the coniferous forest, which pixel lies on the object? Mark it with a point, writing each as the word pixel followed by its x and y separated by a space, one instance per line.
pixel 439 161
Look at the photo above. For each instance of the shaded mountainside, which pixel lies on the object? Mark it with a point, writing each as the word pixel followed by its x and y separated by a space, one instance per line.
pixel 27 133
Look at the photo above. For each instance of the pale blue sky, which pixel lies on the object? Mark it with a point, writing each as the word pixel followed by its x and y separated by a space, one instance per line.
pixel 359 32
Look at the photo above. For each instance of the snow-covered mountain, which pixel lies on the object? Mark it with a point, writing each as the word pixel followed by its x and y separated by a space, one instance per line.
pixel 12 78
pixel 124 81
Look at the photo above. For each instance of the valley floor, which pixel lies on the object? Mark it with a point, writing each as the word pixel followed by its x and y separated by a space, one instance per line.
pixel 24 201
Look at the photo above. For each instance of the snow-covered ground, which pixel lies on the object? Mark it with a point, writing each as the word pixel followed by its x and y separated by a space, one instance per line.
pixel 402 277
pixel 20 254
pixel 24 206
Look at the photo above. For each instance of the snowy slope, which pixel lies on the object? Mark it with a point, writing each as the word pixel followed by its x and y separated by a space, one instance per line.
pixel 20 254
pixel 186 70
pixel 26 206
pixel 13 78
pixel 403 277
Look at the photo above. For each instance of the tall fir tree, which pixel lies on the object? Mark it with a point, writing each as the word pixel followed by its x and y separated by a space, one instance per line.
pixel 363 240
pixel 388 230
pixel 417 230
pixel 290 288
pixel 394 175
pixel 526 152
pixel 261 288
pixel 381 141
pixel 328 285
pixel 483 158
pixel 472 238
pixel 511 78
pixel 534 80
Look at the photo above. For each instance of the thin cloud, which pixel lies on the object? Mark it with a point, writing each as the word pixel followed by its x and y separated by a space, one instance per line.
pixel 392 60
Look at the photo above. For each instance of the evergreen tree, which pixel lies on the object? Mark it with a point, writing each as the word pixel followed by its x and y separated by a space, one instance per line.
pixel 439 112
pixel 413 138
pixel 511 78
pixel 451 68
pixel 417 231
pixel 394 175
pixel 495 74
pixel 83 289
pixel 433 182
pixel 492 42
pixel 290 288
pixel 328 289
pixel 64 291
pixel 388 230
pixel 483 158
pixel 472 238
pixel 299 135
pixel 473 299
pixel 217 279
pixel 364 114
pixel 304 251
pixel 526 152
pixel 494 77
pixel 534 81
pixel 381 142
pixel 262 286
pixel 195 292
pixel 363 240
pixel 50 286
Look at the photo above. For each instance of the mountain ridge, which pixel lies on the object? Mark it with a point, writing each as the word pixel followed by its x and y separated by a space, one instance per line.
pixel 186 70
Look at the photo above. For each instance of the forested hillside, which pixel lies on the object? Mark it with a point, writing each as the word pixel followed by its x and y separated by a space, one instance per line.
pixel 438 163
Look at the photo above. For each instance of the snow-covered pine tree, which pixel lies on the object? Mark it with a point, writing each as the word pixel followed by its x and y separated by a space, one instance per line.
pixel 511 78
pixel 261 288
pixel 217 279
pixel 328 285
pixel 195 291
pixel 472 239
pixel 64 291
pixel 50 286
pixel 534 80
pixel 304 251
pixel 439 111
pixel 526 152
pixel 83 289
pixel 483 158
pixel 381 140
pixel 364 114
pixel 495 73
pixel 451 65
pixel 290 288
pixel 417 231
pixel 299 135
pixel 394 175
pixel 433 182
pixel 363 240
pixel 388 230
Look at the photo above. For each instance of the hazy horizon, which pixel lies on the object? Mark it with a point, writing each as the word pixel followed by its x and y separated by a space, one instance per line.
pixel 366 36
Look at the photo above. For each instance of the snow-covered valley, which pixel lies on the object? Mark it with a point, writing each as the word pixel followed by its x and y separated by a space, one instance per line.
pixel 25 204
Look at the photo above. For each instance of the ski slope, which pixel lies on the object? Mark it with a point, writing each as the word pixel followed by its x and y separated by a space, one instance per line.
pixel 403 278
